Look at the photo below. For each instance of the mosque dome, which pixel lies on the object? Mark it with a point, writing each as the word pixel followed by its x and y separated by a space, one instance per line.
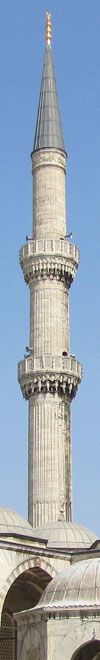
pixel 12 523
pixel 77 586
pixel 62 534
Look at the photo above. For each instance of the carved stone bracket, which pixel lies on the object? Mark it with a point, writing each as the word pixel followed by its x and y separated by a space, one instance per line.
pixel 61 268
pixel 63 384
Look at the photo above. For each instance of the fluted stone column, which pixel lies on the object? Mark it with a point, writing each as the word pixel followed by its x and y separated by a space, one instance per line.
pixel 49 276
pixel 49 207
pixel 50 477
pixel 49 376
pixel 49 335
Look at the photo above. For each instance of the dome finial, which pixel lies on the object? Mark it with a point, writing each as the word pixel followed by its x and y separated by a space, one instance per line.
pixel 48 28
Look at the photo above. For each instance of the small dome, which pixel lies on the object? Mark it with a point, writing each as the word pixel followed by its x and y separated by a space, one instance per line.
pixel 62 534
pixel 12 523
pixel 77 586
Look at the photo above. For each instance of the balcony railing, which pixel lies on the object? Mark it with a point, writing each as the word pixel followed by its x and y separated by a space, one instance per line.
pixel 46 363
pixel 56 246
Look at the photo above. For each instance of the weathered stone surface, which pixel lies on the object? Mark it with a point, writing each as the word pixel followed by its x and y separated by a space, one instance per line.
pixel 49 209
pixel 59 636
pixel 48 454
pixel 49 376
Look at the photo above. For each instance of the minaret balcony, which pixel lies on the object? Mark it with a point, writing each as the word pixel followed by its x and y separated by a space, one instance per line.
pixel 60 374
pixel 49 258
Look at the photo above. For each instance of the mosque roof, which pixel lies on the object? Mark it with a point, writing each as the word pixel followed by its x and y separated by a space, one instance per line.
pixel 62 534
pixel 77 586
pixel 58 534
pixel 12 523
pixel 48 128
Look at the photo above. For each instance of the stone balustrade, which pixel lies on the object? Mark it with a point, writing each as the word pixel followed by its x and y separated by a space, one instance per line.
pixel 49 259
pixel 46 363
pixel 57 246
pixel 64 381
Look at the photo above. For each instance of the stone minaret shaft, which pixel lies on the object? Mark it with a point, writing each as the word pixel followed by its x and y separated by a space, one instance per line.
pixel 49 376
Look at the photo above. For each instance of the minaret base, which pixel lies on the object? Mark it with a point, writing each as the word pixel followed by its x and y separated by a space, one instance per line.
pixel 49 470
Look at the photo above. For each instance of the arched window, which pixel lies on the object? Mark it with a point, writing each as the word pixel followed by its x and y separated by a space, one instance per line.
pixel 7 638
pixel 88 651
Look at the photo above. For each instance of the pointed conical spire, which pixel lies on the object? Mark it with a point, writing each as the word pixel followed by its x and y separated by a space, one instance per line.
pixel 48 128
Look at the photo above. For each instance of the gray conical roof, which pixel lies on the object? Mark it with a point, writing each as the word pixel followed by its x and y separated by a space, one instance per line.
pixel 48 128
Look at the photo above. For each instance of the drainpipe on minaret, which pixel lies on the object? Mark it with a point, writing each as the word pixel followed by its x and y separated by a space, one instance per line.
pixel 49 376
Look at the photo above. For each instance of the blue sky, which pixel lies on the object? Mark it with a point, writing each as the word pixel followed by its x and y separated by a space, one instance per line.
pixel 76 54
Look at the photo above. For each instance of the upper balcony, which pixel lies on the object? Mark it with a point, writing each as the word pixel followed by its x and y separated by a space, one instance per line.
pixel 57 246
pixel 56 258
pixel 59 363
pixel 60 374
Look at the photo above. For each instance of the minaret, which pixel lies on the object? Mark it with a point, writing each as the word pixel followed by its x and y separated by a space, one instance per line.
pixel 49 376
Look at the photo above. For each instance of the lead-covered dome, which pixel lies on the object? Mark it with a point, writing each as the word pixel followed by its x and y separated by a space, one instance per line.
pixel 77 586
pixel 12 523
pixel 62 534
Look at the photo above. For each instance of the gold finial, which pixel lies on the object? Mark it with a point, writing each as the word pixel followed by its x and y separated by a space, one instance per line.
pixel 48 28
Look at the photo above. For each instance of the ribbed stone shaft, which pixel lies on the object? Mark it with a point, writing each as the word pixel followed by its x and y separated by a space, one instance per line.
pixel 50 487
pixel 49 208
pixel 50 480
pixel 49 376
pixel 49 317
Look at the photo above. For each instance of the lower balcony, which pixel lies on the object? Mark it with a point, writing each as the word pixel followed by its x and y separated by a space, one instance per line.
pixel 61 374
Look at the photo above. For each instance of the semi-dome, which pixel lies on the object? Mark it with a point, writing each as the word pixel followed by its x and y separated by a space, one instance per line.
pixel 62 534
pixel 12 523
pixel 77 586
